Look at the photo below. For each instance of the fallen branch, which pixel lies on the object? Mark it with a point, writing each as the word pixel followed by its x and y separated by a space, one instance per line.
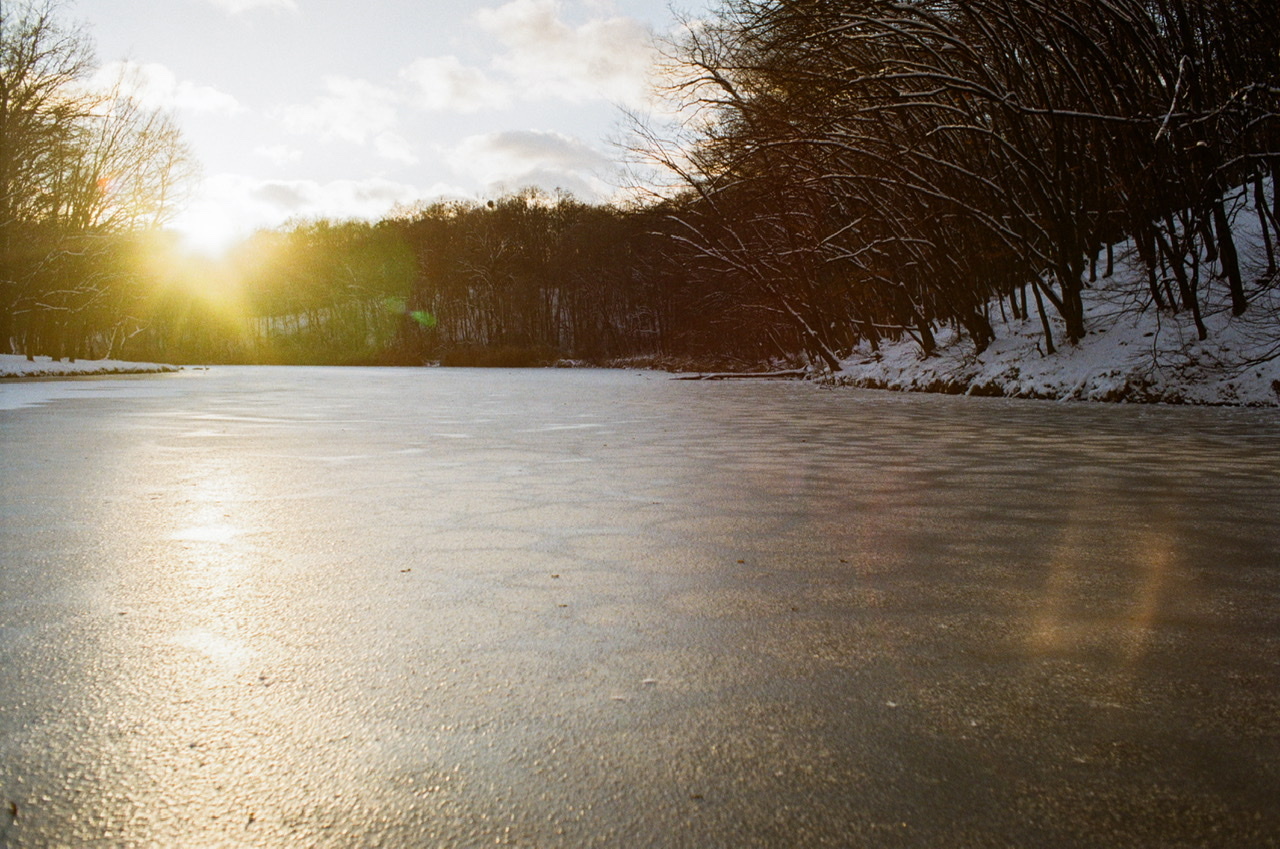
pixel 759 375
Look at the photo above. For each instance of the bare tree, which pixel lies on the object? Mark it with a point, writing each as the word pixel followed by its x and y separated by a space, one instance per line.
pixel 953 152
pixel 78 168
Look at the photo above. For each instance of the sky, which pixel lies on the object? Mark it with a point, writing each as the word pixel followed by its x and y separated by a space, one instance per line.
pixel 299 109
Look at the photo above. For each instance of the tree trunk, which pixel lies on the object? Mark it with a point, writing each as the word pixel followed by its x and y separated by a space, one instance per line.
pixel 1044 320
pixel 873 336
pixel 1176 266
pixel 1201 331
pixel 1072 306
pixel 1230 260
pixel 6 329
pixel 1260 204
pixel 979 328
pixel 1275 188
pixel 927 343
pixel 1147 251
pixel 1206 232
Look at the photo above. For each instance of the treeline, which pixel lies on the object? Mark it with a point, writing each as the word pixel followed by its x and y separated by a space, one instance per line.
pixel 845 172
pixel 530 277
pixel 526 279
pixel 880 167
pixel 860 170
pixel 82 171
pixel 320 293
pixel 535 278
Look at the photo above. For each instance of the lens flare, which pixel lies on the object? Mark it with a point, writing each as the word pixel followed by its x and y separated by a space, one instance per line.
pixel 423 318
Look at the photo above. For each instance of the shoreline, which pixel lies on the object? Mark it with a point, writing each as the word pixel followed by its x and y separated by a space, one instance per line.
pixel 1012 368
pixel 14 367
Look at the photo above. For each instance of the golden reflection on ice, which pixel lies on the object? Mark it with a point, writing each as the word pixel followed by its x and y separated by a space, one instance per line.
pixel 215 490
pixel 214 558
pixel 1153 556
pixel 1052 614
pixel 1064 617
pixel 214 531
pixel 226 650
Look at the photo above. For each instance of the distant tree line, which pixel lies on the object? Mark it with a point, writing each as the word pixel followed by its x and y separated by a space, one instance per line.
pixel 526 279
pixel 535 277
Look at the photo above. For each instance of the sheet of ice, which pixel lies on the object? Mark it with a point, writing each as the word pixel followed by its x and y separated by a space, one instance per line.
pixel 757 613
pixel 15 394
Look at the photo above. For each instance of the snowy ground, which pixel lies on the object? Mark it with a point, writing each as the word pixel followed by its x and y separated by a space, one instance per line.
pixel 1133 352
pixel 17 366
pixel 1126 356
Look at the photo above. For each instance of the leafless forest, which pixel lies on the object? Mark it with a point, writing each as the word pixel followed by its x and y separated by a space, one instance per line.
pixel 839 172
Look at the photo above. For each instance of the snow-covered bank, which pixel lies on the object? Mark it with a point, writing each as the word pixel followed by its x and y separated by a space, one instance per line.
pixel 1140 357
pixel 18 366
pixel 1132 351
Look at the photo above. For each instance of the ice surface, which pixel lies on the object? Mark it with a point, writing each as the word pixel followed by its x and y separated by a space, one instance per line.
pixel 269 606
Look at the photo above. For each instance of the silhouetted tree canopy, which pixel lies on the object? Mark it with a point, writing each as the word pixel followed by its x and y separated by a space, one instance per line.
pixel 79 170
pixel 931 155
pixel 846 171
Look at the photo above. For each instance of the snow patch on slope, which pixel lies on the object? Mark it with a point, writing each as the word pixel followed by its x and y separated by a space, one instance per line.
pixel 1132 351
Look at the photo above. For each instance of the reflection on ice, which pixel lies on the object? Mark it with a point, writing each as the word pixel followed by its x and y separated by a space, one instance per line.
pixel 230 653
pixel 218 532
pixel 553 427
pixel 1108 571
pixel 1155 560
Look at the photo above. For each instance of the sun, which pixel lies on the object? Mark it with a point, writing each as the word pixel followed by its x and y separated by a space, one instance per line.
pixel 209 229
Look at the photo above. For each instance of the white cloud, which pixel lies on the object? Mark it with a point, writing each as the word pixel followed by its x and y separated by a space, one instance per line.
pixel 541 56
pixel 516 158
pixel 157 87
pixel 394 147
pixel 236 7
pixel 353 111
pixel 231 206
pixel 443 83
pixel 350 110
pixel 606 58
pixel 278 153
pixel 369 198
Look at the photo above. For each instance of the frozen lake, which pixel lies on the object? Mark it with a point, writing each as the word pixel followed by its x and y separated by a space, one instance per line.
pixel 565 608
